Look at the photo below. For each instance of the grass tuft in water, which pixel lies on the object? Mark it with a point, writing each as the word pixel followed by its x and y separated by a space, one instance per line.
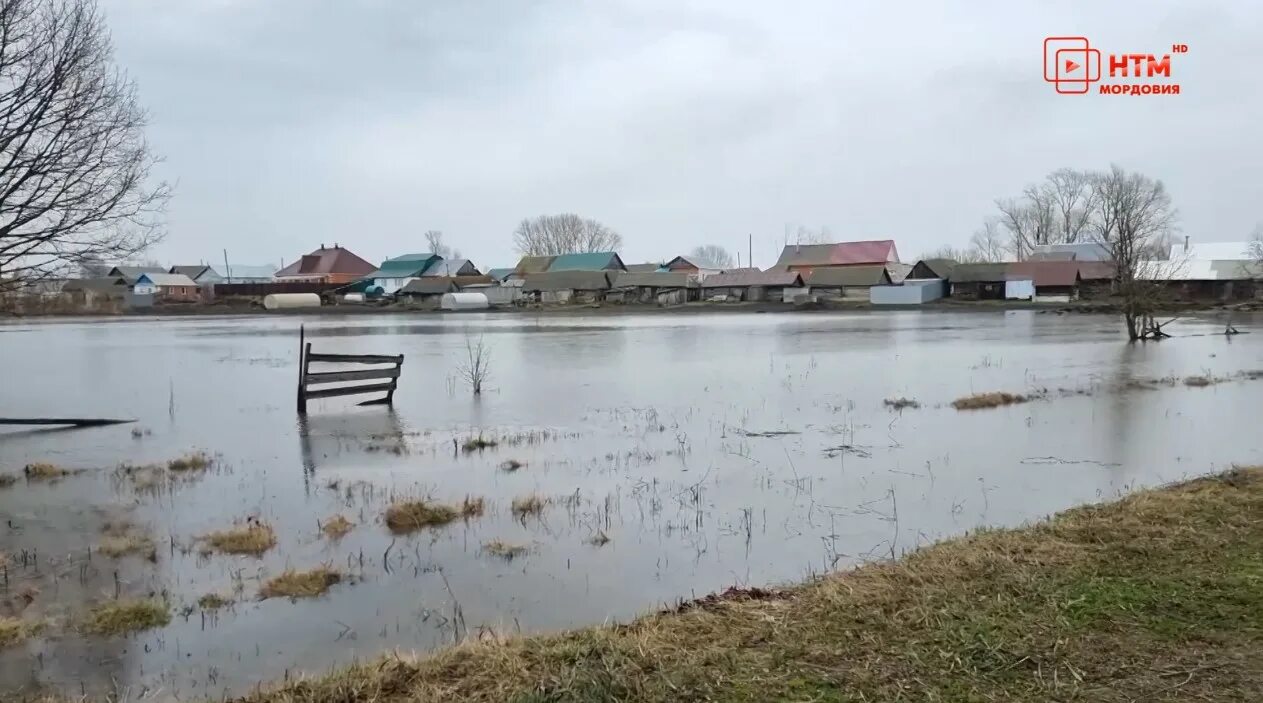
pixel 336 527
pixel 196 461
pixel 901 403
pixel 254 537
pixel 409 515
pixel 1198 381
pixel 475 444
pixel 7 480
pixel 42 471
pixel 600 539
pixel 213 601
pixel 979 401
pixel 301 584
pixel 512 465
pixel 124 616
pixel 16 630
pixel 505 550
pixel 532 504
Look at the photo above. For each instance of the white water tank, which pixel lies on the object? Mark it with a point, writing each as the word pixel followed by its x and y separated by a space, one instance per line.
pixel 464 301
pixel 281 301
pixel 353 298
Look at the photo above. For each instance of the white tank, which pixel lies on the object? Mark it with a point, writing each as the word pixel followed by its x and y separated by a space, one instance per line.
pixel 353 298
pixel 281 301
pixel 464 301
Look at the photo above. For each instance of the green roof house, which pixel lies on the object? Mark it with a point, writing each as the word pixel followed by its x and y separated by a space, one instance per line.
pixel 397 272
pixel 591 261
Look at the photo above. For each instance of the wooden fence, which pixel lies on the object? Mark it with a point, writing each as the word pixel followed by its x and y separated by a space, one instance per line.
pixel 385 379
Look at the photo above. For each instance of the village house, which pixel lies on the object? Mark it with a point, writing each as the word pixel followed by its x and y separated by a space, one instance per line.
pixel 553 287
pixel 396 273
pixel 587 261
pixel 108 293
pixel 660 287
pixel 927 269
pixel 806 257
pixel 246 273
pixel 979 281
pixel 426 293
pixel 500 275
pixel 528 265
pixel 1070 251
pixel 750 285
pixel 684 264
pixel 326 265
pixel 1055 281
pixel 200 274
pixel 130 274
pixel 168 287
pixel 846 282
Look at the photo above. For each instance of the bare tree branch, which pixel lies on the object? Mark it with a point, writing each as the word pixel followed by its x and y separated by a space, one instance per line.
pixel 712 256
pixel 552 235
pixel 74 164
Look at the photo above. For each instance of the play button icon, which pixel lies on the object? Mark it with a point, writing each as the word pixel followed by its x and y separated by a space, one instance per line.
pixel 1071 66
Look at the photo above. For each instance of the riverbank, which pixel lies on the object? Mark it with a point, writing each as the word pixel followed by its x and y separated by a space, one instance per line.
pixel 1155 597
pixel 942 305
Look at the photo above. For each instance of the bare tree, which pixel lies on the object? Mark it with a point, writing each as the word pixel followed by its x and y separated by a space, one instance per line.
pixel 987 242
pixel 1058 209
pixel 551 235
pixel 1029 220
pixel 434 240
pixel 477 365
pixel 1073 199
pixel 74 164
pixel 965 256
pixel 1255 250
pixel 1134 216
pixel 712 256
pixel 806 235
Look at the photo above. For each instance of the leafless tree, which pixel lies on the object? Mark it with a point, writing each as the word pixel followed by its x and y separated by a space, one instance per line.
pixel 74 164
pixel 434 240
pixel 551 235
pixel 965 256
pixel 1029 221
pixel 1058 209
pixel 1134 216
pixel 806 235
pixel 1255 249
pixel 713 256
pixel 987 242
pixel 1074 201
pixel 477 365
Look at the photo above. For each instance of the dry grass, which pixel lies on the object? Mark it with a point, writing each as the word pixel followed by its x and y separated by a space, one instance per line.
pixel 409 515
pixel 7 480
pixel 213 601
pixel 505 550
pixel 336 527
pixel 41 471
pixel 979 401
pixel 475 444
pixel 196 461
pixel 120 545
pixel 512 465
pixel 532 504
pixel 120 617
pixel 254 538
pixel 1198 381
pixel 901 403
pixel 600 539
pixel 1152 598
pixel 301 584
pixel 16 630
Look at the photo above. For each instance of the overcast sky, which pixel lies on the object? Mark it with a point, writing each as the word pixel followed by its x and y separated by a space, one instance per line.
pixel 289 123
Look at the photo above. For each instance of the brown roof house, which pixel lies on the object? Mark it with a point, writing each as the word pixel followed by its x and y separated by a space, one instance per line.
pixel 326 265
pixel 805 257
pixel 750 285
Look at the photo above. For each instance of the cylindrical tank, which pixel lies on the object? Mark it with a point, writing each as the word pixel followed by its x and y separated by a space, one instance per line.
pixel 353 298
pixel 280 301
pixel 463 301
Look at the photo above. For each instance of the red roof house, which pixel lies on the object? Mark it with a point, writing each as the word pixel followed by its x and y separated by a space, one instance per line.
pixel 327 265
pixel 805 257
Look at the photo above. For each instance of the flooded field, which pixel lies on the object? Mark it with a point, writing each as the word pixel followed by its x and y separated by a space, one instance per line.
pixel 613 465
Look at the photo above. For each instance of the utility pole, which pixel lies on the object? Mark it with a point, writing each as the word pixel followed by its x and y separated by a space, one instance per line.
pixel 227 271
pixel 750 249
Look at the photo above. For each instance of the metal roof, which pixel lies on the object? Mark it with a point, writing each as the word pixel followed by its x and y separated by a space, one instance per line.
pixel 656 279
pixel 532 264
pixel 1046 273
pixel 1072 251
pixel 499 274
pixel 980 273
pixel 325 261
pixel 405 266
pixel 108 284
pixel 848 276
pixel 587 261
pixel 744 279
pixel 839 254
pixel 1208 251
pixel 941 268
pixel 642 268
pixel 193 272
pixel 552 281
pixel 131 273
pixel 898 271
pixel 452 267
pixel 162 280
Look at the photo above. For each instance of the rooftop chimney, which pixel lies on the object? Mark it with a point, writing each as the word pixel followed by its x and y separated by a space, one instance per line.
pixel 1186 244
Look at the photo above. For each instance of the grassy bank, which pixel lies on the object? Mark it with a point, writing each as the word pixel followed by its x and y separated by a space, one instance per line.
pixel 1156 597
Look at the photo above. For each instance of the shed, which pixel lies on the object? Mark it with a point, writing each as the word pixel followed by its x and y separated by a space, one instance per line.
pixel 426 292
pixel 566 286
pixel 846 282
pixel 167 287
pixel 587 261
pixel 910 292
pixel 979 281
pixel 1053 281
pixel 662 287
pixel 933 268
pixel 750 285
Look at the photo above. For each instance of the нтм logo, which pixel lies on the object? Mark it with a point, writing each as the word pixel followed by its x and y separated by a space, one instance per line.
pixel 1072 66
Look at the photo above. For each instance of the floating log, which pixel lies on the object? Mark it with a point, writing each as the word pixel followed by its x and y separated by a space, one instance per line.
pixel 75 421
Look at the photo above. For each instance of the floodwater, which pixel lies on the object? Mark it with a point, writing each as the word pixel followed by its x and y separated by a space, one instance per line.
pixel 635 427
